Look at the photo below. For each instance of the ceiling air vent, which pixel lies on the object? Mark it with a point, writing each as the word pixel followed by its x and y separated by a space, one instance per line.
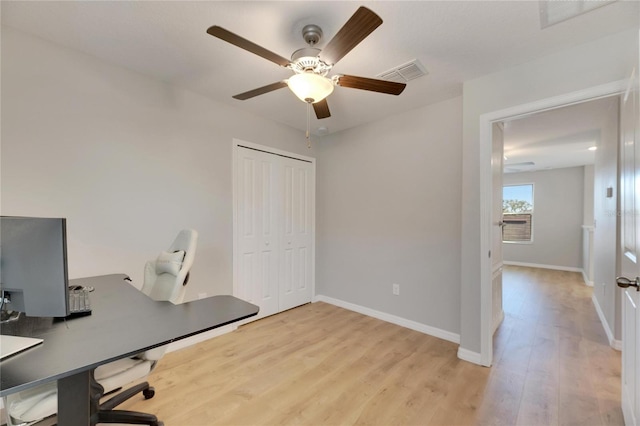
pixel 518 167
pixel 405 72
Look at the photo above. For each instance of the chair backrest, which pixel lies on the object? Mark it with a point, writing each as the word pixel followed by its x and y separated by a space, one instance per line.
pixel 166 277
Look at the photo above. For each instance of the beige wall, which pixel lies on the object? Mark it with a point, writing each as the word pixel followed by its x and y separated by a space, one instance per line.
pixel 128 160
pixel 606 221
pixel 389 212
pixel 588 194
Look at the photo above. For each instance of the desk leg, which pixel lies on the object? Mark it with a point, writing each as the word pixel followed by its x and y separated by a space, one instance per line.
pixel 73 399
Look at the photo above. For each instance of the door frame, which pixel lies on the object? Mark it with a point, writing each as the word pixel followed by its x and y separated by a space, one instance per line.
pixel 486 121
pixel 239 144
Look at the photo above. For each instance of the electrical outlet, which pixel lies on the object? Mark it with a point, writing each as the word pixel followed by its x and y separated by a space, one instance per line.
pixel 396 289
pixel 202 295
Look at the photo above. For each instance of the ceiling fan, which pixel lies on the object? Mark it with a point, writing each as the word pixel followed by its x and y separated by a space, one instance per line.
pixel 311 65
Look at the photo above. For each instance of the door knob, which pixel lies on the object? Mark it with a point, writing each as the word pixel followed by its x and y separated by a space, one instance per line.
pixel 625 282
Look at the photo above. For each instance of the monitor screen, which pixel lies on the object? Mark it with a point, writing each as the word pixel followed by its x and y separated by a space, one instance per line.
pixel 33 265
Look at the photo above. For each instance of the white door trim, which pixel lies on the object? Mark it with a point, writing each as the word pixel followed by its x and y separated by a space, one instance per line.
pixel 270 150
pixel 486 120
pixel 238 143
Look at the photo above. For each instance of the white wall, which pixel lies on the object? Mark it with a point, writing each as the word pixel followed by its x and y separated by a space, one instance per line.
pixel 605 232
pixel 128 160
pixel 587 232
pixel 587 65
pixel 588 194
pixel 557 218
pixel 388 211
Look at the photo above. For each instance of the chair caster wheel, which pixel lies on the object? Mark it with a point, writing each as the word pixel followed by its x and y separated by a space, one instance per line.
pixel 149 393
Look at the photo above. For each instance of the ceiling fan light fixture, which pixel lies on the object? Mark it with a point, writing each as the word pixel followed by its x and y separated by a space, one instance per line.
pixel 310 87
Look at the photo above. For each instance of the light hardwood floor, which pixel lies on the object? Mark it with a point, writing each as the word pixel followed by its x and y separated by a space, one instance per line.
pixel 322 365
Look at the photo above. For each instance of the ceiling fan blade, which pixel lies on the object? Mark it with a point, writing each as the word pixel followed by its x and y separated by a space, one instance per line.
pixel 245 44
pixel 357 28
pixel 322 109
pixel 371 84
pixel 260 90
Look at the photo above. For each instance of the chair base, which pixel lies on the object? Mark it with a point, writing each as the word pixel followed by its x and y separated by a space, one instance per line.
pixel 127 417
pixel 127 394
pixel 105 412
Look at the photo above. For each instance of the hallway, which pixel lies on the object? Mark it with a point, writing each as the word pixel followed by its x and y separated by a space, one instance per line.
pixel 552 352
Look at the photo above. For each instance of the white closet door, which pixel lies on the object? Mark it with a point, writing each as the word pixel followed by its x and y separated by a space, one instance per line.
pixel 257 229
pixel 273 234
pixel 296 260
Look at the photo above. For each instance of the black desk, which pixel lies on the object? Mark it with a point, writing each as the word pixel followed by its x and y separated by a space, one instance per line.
pixel 124 322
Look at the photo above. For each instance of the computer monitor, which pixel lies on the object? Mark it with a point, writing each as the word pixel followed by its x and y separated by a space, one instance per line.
pixel 33 265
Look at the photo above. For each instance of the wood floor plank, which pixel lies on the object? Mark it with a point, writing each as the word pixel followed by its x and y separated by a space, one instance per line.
pixel 322 365
pixel 539 405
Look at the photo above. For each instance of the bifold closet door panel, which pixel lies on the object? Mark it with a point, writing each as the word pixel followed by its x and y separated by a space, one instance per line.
pixel 297 239
pixel 257 222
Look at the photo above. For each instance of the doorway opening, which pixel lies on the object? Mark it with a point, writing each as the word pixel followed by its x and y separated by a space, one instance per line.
pixel 488 228
pixel 558 165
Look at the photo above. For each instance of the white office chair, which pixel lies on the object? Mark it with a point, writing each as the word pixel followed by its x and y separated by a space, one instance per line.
pixel 164 279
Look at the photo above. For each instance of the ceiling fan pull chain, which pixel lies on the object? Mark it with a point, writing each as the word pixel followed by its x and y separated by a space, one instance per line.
pixel 308 124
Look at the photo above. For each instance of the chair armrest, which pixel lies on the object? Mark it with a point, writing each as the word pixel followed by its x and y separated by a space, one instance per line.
pixel 154 354
pixel 150 276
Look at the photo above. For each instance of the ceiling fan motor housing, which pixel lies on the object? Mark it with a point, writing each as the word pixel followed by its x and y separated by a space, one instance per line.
pixel 311 34
pixel 307 59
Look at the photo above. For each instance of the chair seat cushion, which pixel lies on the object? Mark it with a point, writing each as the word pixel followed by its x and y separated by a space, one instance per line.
pixel 34 407
pixel 119 373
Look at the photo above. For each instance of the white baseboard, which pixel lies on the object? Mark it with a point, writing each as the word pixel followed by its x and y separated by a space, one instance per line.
pixel 190 341
pixel 628 415
pixel 403 322
pixel 541 266
pixel 586 279
pixel 615 344
pixel 470 356
pixel 498 321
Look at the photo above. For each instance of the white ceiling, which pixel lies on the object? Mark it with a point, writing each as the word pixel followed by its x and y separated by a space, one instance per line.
pixel 455 40
pixel 556 138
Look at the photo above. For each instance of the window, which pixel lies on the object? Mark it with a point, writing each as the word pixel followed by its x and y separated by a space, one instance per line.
pixel 517 212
